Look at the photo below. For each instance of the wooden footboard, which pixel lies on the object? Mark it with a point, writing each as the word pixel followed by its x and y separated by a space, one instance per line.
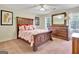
pixel 40 39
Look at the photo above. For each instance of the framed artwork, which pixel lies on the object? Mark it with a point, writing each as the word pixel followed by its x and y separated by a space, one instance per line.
pixel 6 17
pixel 37 21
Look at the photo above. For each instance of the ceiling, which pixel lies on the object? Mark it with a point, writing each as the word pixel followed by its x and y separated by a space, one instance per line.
pixel 35 8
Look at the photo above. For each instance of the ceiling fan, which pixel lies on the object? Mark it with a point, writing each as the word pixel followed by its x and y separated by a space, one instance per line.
pixel 44 7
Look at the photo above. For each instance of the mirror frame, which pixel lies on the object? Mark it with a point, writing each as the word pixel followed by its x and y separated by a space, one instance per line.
pixel 64 13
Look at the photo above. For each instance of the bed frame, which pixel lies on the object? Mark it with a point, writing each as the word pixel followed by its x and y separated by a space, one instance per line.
pixel 39 39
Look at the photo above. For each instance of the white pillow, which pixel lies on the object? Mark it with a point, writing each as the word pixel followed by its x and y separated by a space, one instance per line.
pixel 21 28
pixel 27 27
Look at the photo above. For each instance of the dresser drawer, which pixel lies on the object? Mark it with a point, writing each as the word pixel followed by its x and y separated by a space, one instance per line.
pixel 64 35
pixel 60 31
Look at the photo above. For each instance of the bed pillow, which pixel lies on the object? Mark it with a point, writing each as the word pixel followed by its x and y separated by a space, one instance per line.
pixel 29 27
pixel 26 27
pixel 22 28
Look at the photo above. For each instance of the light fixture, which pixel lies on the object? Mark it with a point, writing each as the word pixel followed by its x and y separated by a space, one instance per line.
pixel 42 9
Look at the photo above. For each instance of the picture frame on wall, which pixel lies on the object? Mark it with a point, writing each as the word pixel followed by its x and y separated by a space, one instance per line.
pixel 6 17
pixel 37 21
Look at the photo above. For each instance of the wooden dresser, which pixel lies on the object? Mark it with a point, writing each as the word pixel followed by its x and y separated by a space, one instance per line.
pixel 75 43
pixel 60 31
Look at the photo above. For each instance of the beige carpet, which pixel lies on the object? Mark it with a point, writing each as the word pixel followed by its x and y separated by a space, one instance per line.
pixel 57 46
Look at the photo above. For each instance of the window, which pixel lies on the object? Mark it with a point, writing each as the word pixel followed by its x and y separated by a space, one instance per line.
pixel 75 23
pixel 47 22
pixel 37 21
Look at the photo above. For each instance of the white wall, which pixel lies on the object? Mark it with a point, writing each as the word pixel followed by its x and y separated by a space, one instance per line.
pixel 42 22
pixel 9 32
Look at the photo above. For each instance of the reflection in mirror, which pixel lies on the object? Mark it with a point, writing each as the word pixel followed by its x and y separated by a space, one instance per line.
pixel 59 19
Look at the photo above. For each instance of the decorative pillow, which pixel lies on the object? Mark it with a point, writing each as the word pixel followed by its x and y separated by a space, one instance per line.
pixel 27 27
pixel 31 27
pixel 21 28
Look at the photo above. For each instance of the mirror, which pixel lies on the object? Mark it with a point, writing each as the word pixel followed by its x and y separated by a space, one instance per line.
pixel 59 19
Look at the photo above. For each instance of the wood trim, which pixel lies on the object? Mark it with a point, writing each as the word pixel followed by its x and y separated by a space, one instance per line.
pixel 59 14
pixel 17 28
pixel 21 20
pixel 23 17
pixel 34 46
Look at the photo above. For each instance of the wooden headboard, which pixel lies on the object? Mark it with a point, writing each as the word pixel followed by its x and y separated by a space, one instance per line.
pixel 23 21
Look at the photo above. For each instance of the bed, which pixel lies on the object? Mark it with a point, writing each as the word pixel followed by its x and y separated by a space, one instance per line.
pixel 34 37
